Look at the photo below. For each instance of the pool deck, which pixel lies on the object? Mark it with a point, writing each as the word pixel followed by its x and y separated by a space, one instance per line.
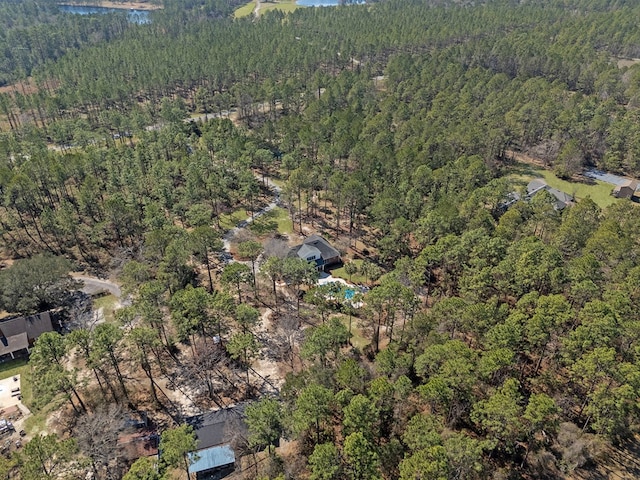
pixel 325 278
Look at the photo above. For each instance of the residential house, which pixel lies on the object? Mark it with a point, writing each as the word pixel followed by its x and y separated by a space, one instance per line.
pixel 216 433
pixel 562 199
pixel 317 250
pixel 626 189
pixel 20 333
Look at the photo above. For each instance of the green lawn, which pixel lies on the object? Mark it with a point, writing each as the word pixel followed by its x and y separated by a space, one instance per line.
pixel 277 182
pixel 245 10
pixel 357 340
pixel 13 367
pixel 37 422
pixel 230 220
pixel 355 278
pixel 108 304
pixel 284 5
pixel 600 192
pixel 19 366
pixel 285 225
pixel 276 220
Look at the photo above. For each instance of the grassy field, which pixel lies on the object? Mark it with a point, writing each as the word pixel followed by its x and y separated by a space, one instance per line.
pixel 282 5
pixel 281 215
pixel 276 220
pixel 355 278
pixel 600 192
pixel 108 304
pixel 245 10
pixel 357 339
pixel 13 367
pixel 230 220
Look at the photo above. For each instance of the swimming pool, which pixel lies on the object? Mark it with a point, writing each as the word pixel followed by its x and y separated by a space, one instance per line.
pixel 349 293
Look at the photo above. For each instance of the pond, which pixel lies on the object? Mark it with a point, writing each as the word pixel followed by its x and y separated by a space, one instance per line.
pixel 135 16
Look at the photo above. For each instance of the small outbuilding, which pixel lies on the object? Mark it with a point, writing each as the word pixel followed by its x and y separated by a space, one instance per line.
pixel 626 189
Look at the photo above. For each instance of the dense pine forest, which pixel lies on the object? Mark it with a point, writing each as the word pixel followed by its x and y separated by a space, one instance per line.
pixel 484 334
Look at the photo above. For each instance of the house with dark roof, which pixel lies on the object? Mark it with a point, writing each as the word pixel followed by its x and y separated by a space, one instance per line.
pixel 317 250
pixel 626 189
pixel 137 444
pixel 562 199
pixel 216 432
pixel 20 333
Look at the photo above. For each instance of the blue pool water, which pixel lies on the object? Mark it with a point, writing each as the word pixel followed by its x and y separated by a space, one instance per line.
pixel 349 293
pixel 134 16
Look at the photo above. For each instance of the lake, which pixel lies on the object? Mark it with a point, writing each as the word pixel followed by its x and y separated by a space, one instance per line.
pixel 135 16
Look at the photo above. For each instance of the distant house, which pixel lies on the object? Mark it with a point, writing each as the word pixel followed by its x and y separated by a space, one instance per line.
pixel 625 190
pixel 317 250
pixel 216 432
pixel 137 438
pixel 562 199
pixel 134 445
pixel 20 333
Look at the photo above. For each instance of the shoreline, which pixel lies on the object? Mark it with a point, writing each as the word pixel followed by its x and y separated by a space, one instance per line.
pixel 143 6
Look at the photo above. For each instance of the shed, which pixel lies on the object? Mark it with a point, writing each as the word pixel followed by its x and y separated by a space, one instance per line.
pixel 213 461
pixel 626 190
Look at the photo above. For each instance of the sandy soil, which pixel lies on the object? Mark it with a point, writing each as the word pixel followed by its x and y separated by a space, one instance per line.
pixel 27 87
pixel 524 158
pixel 265 365
pixel 626 62
pixel 7 400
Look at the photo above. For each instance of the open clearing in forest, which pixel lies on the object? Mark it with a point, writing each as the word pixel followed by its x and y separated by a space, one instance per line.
pixel 625 62
pixel 357 338
pixel 355 278
pixel 276 220
pixel 600 192
pixel 230 220
pixel 261 7
pixel 106 306
pixel 245 10
pixel 283 5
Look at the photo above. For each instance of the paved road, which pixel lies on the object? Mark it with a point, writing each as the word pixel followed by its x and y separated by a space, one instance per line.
pixel 606 177
pixel 93 285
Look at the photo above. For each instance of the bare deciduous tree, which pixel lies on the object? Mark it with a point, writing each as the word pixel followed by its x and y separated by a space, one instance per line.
pixel 97 435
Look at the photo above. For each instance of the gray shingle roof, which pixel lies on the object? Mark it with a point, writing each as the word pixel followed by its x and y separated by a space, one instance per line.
pixel 17 333
pixel 218 427
pixel 13 343
pixel 307 251
pixel 562 199
pixel 321 244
